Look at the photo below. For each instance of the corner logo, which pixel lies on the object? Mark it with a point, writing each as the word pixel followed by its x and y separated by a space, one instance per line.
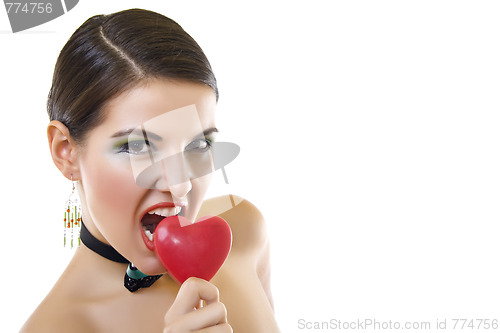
pixel 28 14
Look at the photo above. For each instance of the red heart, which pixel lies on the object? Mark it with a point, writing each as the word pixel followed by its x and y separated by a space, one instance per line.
pixel 197 249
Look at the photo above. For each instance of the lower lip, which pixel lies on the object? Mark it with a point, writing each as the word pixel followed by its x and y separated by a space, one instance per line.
pixel 149 244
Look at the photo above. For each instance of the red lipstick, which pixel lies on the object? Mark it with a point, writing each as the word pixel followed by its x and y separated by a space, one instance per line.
pixel 150 243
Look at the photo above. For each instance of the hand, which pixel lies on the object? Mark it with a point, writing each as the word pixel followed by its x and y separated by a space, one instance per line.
pixel 187 313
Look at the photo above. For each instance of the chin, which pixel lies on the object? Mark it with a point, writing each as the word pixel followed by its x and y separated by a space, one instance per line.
pixel 151 266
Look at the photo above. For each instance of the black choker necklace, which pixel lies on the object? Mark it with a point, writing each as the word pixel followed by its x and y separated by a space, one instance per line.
pixel 104 250
pixel 134 278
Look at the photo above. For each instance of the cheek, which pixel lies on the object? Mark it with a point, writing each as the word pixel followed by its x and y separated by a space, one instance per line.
pixel 110 190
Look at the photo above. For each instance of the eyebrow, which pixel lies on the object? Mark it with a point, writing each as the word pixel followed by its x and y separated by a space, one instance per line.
pixel 156 136
pixel 129 131
pixel 210 131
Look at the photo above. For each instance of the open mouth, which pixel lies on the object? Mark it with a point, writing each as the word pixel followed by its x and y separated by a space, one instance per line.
pixel 152 218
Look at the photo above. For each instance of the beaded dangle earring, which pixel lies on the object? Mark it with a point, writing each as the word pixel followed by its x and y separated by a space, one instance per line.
pixel 72 219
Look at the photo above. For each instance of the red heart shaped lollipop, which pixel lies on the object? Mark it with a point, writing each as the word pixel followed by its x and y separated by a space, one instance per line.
pixel 197 249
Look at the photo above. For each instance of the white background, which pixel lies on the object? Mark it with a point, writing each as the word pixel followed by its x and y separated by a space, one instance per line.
pixel 369 134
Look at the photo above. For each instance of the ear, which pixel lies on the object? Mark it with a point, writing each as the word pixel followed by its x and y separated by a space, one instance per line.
pixel 63 150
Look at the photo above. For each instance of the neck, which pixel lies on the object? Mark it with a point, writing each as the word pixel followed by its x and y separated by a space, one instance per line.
pixel 95 276
pixel 105 250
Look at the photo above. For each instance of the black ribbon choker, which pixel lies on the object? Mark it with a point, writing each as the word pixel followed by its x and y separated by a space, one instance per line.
pixel 134 278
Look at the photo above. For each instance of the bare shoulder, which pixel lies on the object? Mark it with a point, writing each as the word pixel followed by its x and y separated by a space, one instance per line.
pixel 56 316
pixel 251 244
pixel 244 280
pixel 246 222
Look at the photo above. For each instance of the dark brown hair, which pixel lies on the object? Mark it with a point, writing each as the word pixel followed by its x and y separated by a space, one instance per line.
pixel 111 53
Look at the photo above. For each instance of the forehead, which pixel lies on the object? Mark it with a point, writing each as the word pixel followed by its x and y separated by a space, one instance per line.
pixel 155 99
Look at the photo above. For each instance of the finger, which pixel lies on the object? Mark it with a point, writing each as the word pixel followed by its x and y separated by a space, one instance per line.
pixel 191 292
pixel 209 316
pixel 221 328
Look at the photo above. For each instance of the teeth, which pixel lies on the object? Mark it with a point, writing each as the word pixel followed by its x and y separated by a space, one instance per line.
pixel 166 211
pixel 162 211
pixel 149 234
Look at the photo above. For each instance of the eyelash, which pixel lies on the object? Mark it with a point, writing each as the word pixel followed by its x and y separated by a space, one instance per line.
pixel 209 141
pixel 125 147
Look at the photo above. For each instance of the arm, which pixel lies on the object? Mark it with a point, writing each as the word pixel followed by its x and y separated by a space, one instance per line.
pixel 245 278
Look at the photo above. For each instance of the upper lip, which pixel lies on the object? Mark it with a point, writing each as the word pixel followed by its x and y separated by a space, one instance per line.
pixel 162 205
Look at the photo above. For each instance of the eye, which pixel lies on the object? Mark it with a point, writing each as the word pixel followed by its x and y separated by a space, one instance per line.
pixel 200 145
pixel 135 147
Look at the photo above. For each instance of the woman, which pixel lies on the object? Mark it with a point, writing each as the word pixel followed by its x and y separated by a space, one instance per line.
pixel 127 86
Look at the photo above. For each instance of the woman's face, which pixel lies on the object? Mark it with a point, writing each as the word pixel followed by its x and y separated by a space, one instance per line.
pixel 142 163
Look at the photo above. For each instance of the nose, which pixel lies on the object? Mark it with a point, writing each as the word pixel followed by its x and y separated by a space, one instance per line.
pixel 174 176
pixel 170 174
